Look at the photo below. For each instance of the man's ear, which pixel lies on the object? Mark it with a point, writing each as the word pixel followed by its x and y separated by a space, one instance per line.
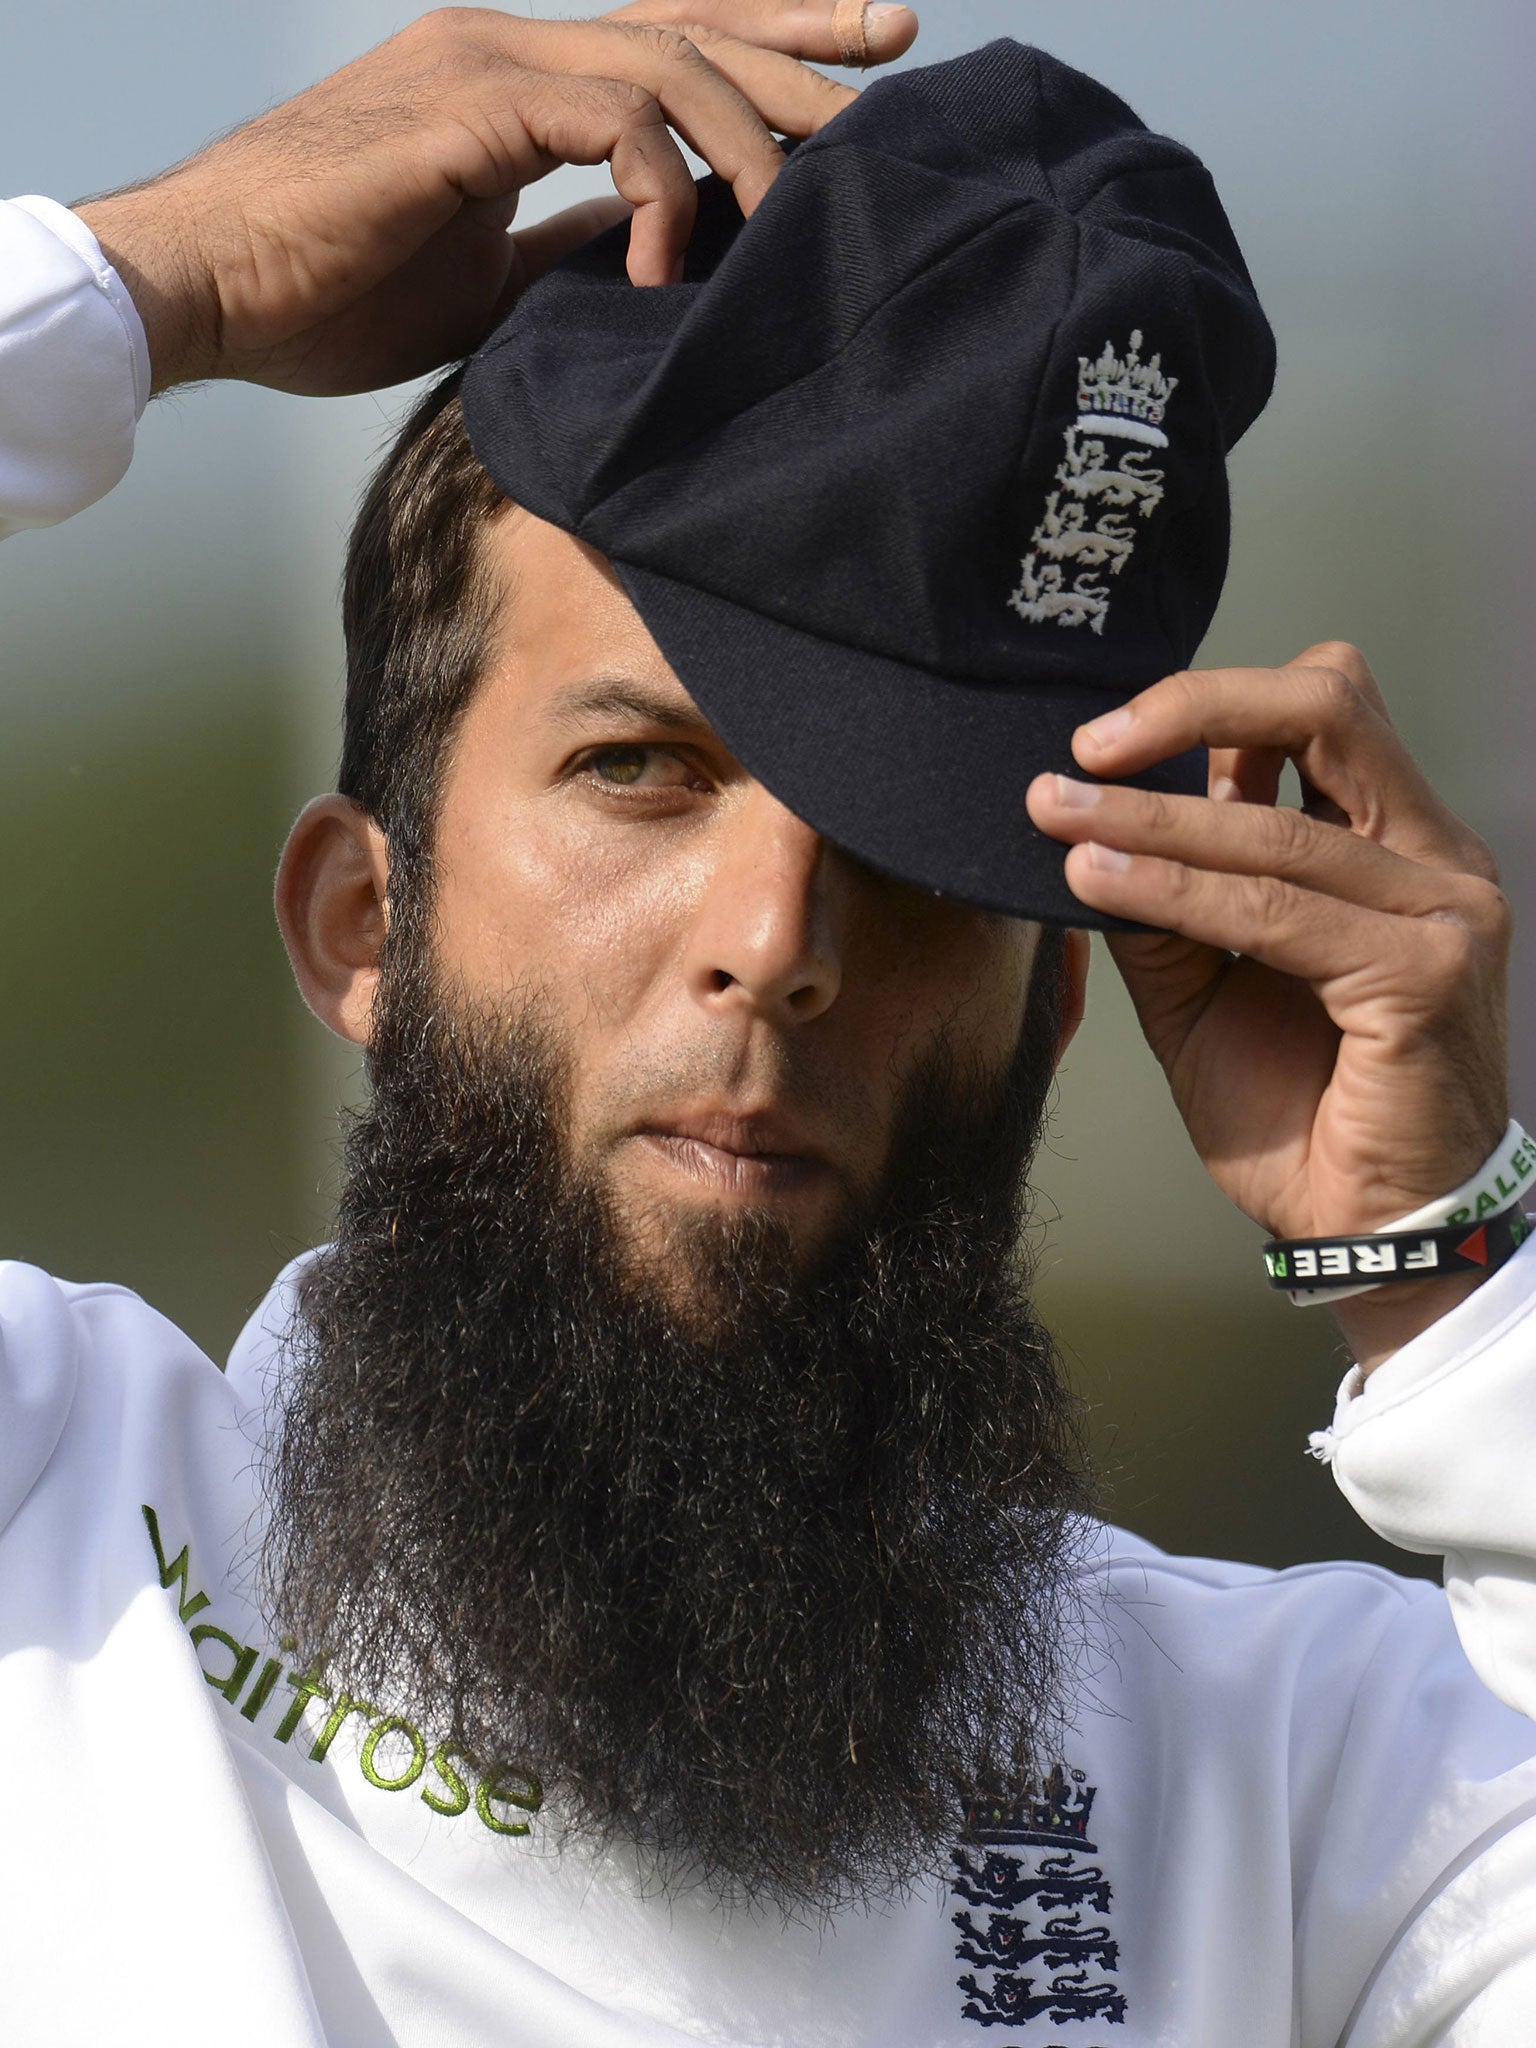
pixel 332 907
pixel 1074 993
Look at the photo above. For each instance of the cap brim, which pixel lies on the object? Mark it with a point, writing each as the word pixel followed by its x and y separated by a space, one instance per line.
pixel 921 776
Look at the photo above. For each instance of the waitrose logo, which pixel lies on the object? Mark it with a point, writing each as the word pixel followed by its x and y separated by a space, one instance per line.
pixel 395 1756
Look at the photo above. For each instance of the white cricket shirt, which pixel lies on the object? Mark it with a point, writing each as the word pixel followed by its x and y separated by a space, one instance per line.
pixel 1290 1814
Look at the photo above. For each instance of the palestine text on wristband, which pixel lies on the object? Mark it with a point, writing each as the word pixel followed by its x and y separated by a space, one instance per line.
pixel 1323 1262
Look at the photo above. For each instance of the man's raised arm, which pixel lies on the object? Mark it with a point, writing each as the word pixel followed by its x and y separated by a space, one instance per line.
pixel 358 235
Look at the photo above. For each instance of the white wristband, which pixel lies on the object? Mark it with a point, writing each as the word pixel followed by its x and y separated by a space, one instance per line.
pixel 1499 1183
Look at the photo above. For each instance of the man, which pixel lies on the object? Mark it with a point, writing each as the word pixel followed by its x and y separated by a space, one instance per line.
pixel 638 1584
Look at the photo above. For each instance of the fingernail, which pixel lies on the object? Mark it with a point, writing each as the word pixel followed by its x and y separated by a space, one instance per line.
pixel 1108 859
pixel 1226 791
pixel 1076 796
pixel 880 20
pixel 1103 732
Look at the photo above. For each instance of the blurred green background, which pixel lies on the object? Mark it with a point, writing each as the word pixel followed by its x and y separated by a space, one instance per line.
pixel 170 663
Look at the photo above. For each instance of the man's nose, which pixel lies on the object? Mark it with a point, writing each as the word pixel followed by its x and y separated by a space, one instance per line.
pixel 766 934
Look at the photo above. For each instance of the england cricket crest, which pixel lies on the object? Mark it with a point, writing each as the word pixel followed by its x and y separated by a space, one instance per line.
pixel 1034 1927
pixel 1104 482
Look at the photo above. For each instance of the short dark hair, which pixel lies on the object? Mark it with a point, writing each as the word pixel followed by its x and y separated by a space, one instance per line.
pixel 417 609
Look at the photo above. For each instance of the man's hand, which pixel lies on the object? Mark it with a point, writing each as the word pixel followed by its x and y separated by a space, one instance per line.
pixel 1327 994
pixel 357 235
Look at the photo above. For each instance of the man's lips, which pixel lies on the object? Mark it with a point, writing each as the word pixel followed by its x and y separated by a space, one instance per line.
pixel 739 1155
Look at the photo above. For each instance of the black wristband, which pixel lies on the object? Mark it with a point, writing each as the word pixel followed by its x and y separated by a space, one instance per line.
pixel 1323 1262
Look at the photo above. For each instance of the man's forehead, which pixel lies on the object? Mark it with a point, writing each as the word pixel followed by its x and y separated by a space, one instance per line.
pixel 567 638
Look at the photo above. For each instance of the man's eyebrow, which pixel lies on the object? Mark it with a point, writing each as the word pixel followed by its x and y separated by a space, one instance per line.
pixel 614 697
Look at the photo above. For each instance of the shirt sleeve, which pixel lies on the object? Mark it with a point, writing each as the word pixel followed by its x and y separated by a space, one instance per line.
pixel 74 366
pixel 1416 1882
pixel 1436 1451
pixel 38 1371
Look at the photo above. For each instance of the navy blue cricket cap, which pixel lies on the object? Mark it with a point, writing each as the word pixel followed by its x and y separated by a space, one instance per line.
pixel 919 467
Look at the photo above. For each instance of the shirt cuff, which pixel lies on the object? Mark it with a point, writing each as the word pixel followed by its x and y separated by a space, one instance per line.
pixel 73 232
pixel 1435 1453
pixel 1487 1319
pixel 74 367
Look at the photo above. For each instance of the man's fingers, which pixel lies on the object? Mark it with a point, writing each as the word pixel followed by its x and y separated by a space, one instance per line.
pixel 547 119
pixel 724 96
pixel 1290 709
pixel 1349 952
pixel 1248 839
pixel 1320 717
pixel 1249 775
pixel 790 96
pixel 1352 665
pixel 704 105
pixel 541 246
pixel 646 164
pixel 810 29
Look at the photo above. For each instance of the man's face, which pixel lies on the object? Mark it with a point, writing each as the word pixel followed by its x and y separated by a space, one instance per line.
pixel 671 1411
pixel 740 1002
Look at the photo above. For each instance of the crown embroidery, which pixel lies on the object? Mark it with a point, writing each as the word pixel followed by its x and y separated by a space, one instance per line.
pixel 1051 1814
pixel 1125 398
pixel 1088 528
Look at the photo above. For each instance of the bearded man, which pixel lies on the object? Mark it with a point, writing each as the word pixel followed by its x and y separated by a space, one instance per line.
pixel 639 1583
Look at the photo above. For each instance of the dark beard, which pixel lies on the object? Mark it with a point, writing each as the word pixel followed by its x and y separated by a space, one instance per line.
pixel 767 1598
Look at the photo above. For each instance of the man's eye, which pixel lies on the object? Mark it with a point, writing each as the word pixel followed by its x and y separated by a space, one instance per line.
pixel 637 767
